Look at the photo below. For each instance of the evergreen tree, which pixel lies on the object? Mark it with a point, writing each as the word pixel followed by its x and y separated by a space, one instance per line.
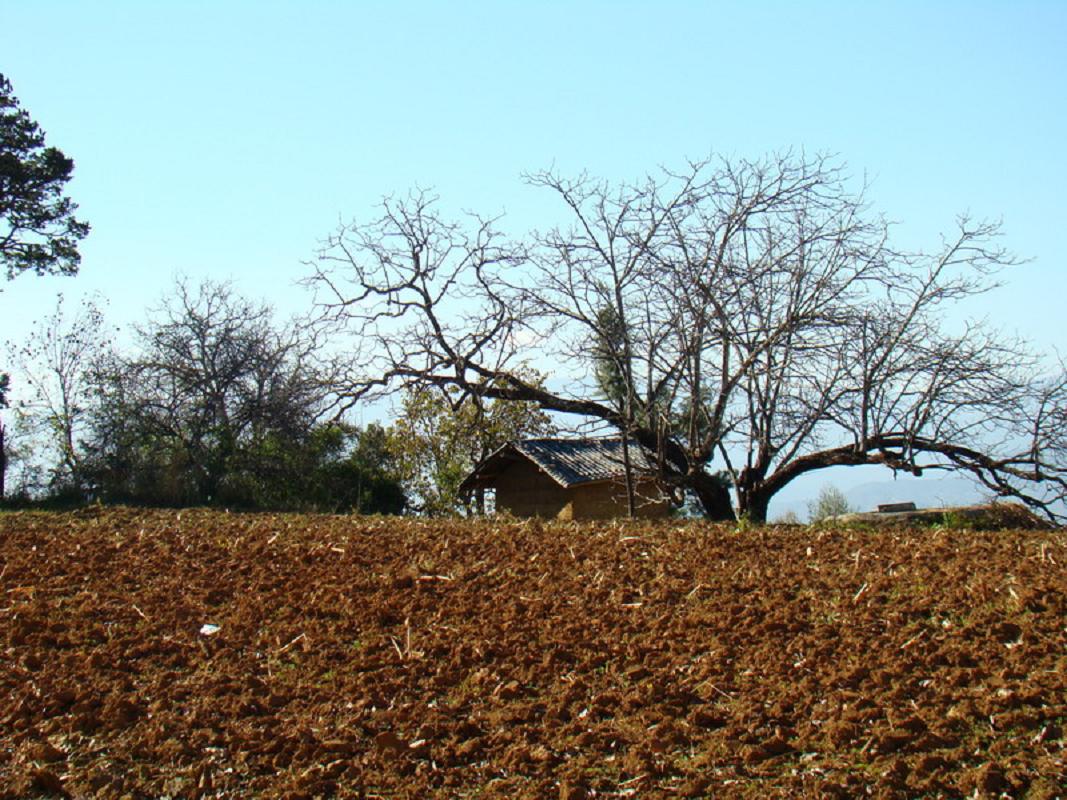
pixel 38 230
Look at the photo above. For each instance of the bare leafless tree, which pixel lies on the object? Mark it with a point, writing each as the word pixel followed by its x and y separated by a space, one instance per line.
pixel 53 366
pixel 750 316
pixel 895 387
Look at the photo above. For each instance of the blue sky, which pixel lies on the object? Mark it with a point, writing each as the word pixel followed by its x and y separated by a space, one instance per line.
pixel 225 139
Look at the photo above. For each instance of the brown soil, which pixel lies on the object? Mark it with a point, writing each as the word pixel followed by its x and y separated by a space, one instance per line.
pixel 378 657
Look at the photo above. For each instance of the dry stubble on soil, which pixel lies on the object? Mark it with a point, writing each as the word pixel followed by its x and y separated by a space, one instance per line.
pixel 393 658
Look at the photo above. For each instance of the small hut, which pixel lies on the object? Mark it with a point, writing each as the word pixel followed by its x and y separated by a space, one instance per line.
pixel 569 479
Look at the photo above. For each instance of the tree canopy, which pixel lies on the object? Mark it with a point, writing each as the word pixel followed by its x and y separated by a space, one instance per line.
pixel 748 316
pixel 38 230
pixel 440 436
pixel 216 404
pixel 213 401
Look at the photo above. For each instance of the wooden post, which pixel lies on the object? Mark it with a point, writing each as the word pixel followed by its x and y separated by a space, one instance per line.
pixel 631 506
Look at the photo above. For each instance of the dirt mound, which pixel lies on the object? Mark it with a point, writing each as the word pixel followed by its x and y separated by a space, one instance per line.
pixel 200 654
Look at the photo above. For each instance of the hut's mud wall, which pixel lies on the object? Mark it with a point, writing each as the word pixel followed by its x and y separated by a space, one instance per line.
pixel 608 500
pixel 525 491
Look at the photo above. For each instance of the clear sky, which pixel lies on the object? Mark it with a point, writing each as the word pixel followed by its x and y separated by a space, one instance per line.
pixel 224 139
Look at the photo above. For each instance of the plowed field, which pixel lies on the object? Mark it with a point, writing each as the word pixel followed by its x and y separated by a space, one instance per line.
pixel 202 654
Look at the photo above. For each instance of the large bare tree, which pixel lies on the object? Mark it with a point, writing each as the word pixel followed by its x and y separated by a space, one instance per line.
pixel 742 316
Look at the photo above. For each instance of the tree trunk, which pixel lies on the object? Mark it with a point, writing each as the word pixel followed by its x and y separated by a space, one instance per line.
pixel 713 496
pixel 753 506
pixel 753 496
pixel 3 460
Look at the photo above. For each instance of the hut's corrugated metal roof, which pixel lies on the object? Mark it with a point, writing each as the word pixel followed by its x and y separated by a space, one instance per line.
pixel 574 461
pixel 568 462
